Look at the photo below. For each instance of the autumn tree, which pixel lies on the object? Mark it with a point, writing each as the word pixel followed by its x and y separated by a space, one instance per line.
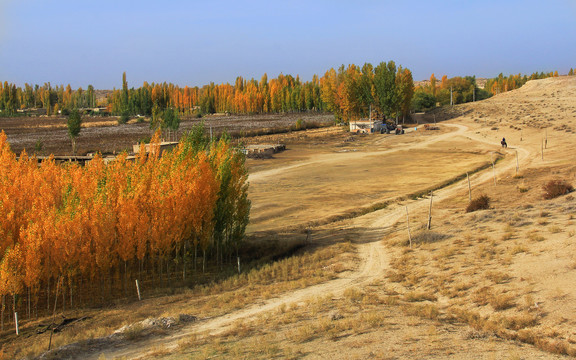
pixel 405 91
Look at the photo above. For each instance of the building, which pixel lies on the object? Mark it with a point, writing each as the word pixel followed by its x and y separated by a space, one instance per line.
pixel 365 126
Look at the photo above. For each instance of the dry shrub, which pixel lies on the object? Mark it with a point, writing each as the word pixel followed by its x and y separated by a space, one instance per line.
pixel 498 277
pixel 502 301
pixel 428 237
pixel 353 295
pixel 555 188
pixel 394 276
pixel 482 202
pixel 520 321
pixel 428 311
pixel 415 296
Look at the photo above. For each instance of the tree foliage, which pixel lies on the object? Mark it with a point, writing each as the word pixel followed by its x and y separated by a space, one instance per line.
pixel 351 91
pixel 117 222
pixel 74 125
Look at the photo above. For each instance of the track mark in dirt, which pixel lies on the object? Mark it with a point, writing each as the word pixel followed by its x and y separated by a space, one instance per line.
pixel 351 156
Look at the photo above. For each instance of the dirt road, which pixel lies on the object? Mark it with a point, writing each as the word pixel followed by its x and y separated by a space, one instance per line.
pixel 372 255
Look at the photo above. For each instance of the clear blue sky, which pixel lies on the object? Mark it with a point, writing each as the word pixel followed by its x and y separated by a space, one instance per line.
pixel 195 42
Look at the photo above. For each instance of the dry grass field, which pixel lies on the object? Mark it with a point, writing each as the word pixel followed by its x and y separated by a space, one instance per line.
pixel 490 284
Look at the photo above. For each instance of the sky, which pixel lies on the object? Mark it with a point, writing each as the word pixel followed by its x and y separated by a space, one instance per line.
pixel 196 42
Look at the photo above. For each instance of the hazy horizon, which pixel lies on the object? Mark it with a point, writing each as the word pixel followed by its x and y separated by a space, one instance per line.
pixel 194 43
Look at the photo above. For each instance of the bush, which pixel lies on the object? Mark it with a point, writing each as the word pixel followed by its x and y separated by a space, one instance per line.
pixel 300 125
pixel 482 202
pixel 555 188
pixel 124 118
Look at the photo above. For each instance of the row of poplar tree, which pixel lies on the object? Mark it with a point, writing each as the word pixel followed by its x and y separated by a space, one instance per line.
pixel 88 232
pixel 349 92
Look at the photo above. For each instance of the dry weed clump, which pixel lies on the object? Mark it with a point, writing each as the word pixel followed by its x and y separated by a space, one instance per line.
pixel 502 301
pixel 428 237
pixel 482 202
pixel 520 321
pixel 555 188
pixel 416 296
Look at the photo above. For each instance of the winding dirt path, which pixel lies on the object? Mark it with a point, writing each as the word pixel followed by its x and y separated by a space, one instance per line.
pixel 371 252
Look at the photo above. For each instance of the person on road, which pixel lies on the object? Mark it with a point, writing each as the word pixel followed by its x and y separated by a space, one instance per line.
pixel 503 142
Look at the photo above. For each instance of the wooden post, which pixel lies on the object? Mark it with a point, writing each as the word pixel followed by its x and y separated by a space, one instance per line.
pixel 494 173
pixel 546 141
pixel 517 163
pixel 542 149
pixel 238 259
pixel 54 313
pixel 408 223
pixel 469 188
pixel 493 170
pixel 520 134
pixel 16 321
pixel 138 290
pixel 430 211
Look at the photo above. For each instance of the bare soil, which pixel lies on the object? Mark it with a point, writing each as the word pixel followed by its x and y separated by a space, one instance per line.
pixel 105 135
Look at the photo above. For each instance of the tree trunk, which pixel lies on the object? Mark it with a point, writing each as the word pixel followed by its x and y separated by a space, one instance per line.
pixel 125 284
pixel 3 306
pixel 184 262
pixel 28 310
pixel 203 261
pixel 48 295
pixel 63 296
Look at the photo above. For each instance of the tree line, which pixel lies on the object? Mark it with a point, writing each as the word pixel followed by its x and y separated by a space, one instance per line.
pixel 349 92
pixel 62 226
pixel 52 99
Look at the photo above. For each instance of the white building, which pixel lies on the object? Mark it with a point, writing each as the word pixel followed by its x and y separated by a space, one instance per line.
pixel 365 126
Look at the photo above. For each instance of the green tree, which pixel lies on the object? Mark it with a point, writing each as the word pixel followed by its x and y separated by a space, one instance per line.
pixel 124 117
pixel 365 86
pixel 571 72
pixel 74 126
pixel 423 101
pixel 125 98
pixel 171 120
pixel 91 98
pixel 385 88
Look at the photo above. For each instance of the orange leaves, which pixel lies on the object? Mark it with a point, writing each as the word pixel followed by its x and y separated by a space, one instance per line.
pixel 71 221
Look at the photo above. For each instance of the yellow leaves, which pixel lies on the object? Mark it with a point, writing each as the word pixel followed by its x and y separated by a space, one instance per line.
pixel 67 219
